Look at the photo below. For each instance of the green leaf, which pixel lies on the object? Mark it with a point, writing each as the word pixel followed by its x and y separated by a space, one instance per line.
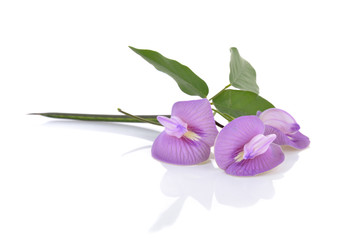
pixel 186 79
pixel 242 74
pixel 238 103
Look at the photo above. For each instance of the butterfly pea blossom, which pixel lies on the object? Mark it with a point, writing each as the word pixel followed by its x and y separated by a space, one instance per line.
pixel 242 148
pixel 284 126
pixel 189 133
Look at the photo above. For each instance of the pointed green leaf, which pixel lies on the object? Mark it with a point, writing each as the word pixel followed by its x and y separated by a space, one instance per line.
pixel 242 74
pixel 240 103
pixel 186 79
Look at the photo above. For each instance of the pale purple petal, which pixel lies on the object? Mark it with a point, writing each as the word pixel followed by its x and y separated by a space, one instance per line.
pixel 199 118
pixel 232 138
pixel 279 119
pixel 181 151
pixel 262 163
pixel 258 145
pixel 296 140
pixel 174 126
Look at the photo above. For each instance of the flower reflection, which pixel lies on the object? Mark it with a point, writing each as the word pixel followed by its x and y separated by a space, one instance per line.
pixel 206 183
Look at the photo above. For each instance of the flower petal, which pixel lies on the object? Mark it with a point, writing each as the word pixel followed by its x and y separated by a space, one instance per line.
pixel 296 140
pixel 181 151
pixel 279 119
pixel 258 145
pixel 232 138
pixel 262 163
pixel 199 118
pixel 174 126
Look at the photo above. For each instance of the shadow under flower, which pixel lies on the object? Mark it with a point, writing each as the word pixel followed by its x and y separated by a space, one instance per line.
pixel 206 182
pixel 115 128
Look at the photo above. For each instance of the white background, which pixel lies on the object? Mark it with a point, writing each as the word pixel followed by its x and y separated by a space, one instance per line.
pixel 80 180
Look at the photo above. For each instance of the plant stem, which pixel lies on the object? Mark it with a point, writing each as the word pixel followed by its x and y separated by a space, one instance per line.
pixel 220 92
pixel 226 116
pixel 138 118
pixel 99 117
pixel 108 118
pixel 219 124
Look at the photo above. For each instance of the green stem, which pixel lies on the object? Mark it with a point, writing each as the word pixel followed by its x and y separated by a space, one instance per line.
pixel 224 115
pixel 108 118
pixel 220 92
pixel 138 118
pixel 99 117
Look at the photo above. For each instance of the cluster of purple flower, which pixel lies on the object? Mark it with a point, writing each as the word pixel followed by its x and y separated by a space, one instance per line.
pixel 247 146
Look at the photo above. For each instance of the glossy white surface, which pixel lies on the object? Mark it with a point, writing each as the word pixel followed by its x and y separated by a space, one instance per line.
pixel 91 180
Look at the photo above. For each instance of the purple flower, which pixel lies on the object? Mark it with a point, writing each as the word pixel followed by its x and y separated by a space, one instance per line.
pixel 283 125
pixel 189 134
pixel 242 149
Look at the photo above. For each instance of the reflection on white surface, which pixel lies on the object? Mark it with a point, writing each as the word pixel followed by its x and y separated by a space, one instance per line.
pixel 203 182
pixel 117 128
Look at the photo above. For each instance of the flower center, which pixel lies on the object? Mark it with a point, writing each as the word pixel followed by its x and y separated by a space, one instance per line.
pixel 192 136
pixel 174 126
pixel 255 147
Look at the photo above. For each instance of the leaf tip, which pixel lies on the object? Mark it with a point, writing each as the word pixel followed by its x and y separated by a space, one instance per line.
pixel 232 49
